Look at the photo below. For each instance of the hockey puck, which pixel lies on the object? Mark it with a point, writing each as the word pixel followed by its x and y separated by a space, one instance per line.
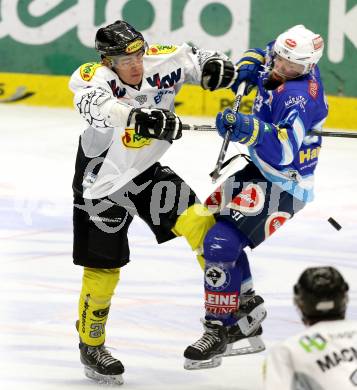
pixel 334 223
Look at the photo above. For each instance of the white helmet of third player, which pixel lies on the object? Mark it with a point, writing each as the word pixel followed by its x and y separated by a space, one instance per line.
pixel 301 46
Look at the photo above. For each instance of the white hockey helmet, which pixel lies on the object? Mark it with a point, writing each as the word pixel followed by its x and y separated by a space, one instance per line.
pixel 300 46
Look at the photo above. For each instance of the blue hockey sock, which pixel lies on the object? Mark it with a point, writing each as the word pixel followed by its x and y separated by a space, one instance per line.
pixel 226 266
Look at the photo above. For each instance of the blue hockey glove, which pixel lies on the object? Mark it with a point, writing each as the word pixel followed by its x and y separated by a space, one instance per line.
pixel 245 129
pixel 248 68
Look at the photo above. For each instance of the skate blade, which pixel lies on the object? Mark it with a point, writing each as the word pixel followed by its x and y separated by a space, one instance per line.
pixel 103 379
pixel 256 345
pixel 202 364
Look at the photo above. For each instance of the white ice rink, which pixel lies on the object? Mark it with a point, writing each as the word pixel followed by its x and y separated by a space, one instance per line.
pixel 155 313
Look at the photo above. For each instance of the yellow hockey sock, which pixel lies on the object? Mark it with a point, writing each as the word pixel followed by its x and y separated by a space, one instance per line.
pixel 98 287
pixel 193 224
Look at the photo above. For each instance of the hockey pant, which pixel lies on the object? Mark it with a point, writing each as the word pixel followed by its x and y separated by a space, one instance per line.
pixel 227 272
pixel 98 285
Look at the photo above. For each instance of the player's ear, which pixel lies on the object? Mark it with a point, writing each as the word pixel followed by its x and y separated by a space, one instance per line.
pixel 106 62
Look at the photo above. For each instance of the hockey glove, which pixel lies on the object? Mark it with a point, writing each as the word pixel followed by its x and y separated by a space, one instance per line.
pixel 156 123
pixel 248 68
pixel 245 129
pixel 217 73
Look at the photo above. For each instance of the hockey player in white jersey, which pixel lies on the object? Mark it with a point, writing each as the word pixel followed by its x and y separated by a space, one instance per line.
pixel 324 356
pixel 128 101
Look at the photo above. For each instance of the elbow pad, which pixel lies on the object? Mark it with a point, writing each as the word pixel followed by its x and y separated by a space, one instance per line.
pixel 100 109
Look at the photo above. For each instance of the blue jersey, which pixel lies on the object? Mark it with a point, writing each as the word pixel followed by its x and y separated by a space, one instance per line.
pixel 288 155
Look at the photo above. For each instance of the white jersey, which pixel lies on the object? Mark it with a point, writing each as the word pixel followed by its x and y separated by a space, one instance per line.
pixel 324 357
pixel 121 154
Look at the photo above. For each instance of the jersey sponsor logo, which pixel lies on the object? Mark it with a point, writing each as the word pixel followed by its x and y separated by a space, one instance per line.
pixel 309 154
pixel 87 70
pixel 275 221
pixel 314 342
pixel 217 277
pixel 249 201
pixel 117 91
pixel 221 303
pixel 335 358
pixel 167 81
pixel 141 99
pixel 290 43
pixel 296 101
pixel 134 46
pixel 343 335
pixel 161 93
pixel 132 140
pixel 214 201
pixel 161 49
pixel 313 89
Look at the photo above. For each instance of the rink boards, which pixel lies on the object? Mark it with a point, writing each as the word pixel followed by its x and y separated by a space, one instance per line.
pixel 52 91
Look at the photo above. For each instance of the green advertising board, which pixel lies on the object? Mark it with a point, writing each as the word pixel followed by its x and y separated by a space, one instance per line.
pixel 56 36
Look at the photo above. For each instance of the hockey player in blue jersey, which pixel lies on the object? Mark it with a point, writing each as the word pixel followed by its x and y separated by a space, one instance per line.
pixel 276 182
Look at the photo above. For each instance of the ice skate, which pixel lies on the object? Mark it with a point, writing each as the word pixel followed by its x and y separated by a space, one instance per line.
pixel 219 341
pixel 250 315
pixel 100 365
pixel 207 352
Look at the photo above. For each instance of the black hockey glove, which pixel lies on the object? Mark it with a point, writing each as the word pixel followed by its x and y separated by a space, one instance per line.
pixel 218 73
pixel 156 123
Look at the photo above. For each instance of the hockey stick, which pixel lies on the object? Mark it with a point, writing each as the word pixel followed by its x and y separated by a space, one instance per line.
pixel 223 151
pixel 341 134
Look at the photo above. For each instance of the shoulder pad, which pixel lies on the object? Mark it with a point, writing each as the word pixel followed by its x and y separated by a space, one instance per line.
pixel 87 70
pixel 160 49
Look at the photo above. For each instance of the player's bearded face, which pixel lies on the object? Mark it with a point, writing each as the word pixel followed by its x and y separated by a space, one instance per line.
pixel 130 67
pixel 282 70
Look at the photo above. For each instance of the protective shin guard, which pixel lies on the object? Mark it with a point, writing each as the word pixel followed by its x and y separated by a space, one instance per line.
pixel 223 248
pixel 194 224
pixel 98 287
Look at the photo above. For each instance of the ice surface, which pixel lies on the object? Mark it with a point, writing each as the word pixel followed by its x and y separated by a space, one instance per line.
pixel 155 313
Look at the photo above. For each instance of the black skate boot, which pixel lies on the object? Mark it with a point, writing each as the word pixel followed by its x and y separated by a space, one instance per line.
pixel 207 352
pixel 100 365
pixel 250 315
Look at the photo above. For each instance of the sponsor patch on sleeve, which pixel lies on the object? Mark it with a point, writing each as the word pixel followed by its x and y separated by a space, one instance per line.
pixel 87 70
pixel 313 89
pixel 160 49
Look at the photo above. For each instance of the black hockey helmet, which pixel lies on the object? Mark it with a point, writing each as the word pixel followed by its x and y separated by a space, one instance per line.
pixel 321 294
pixel 118 38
